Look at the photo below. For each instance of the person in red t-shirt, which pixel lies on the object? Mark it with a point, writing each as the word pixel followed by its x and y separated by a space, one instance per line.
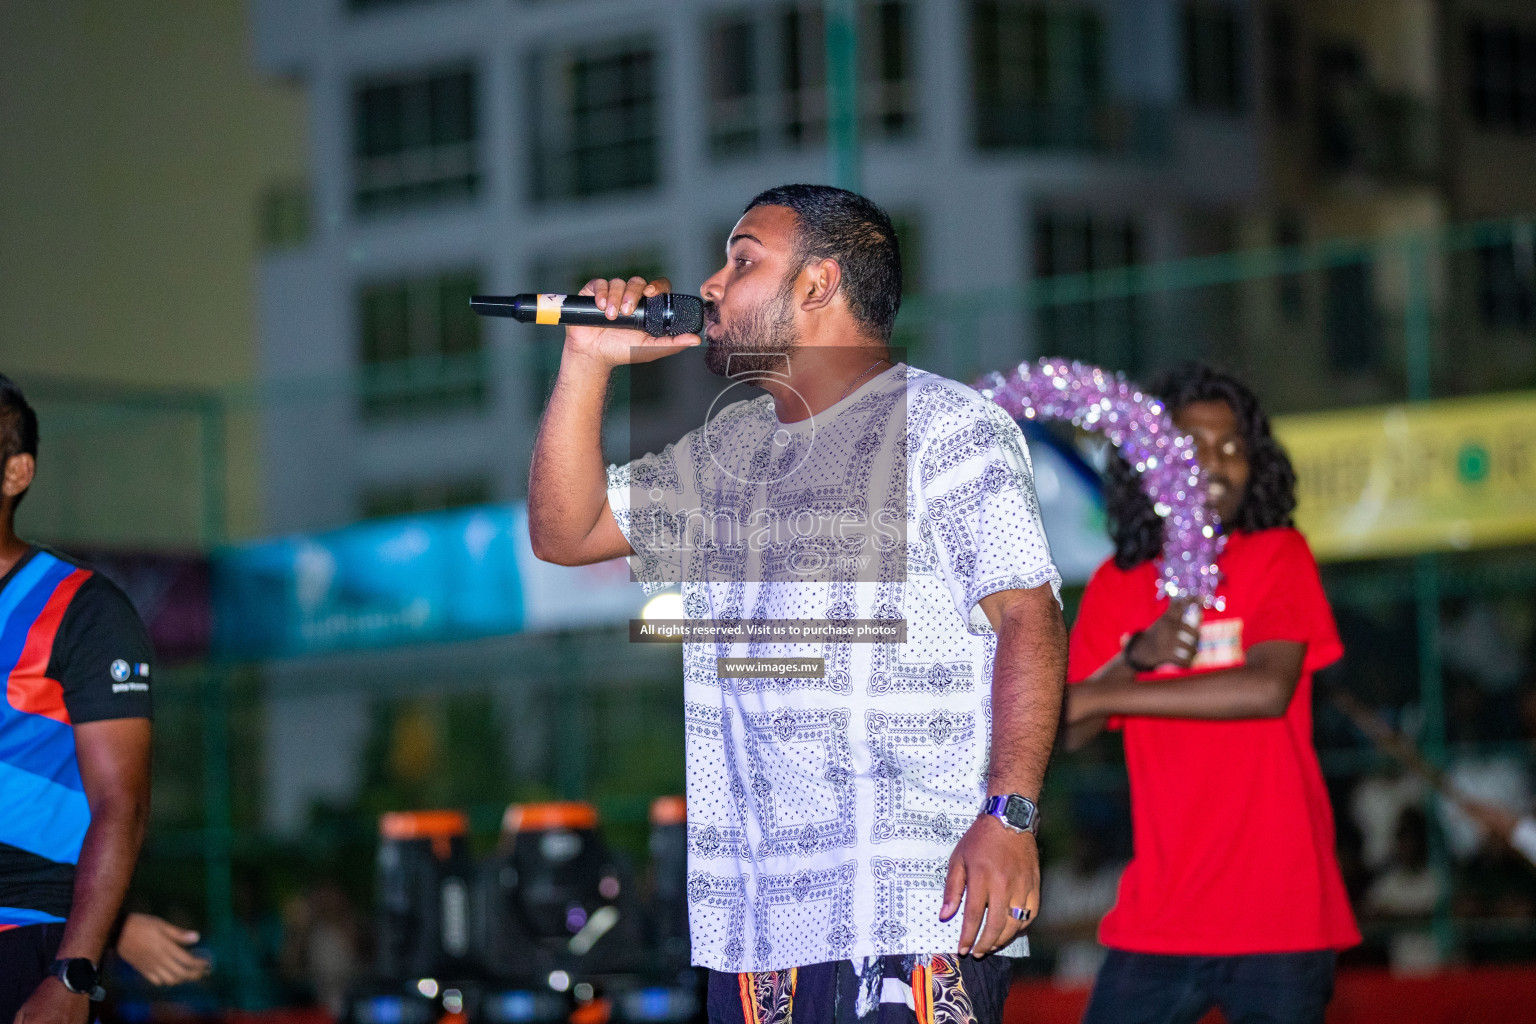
pixel 1233 897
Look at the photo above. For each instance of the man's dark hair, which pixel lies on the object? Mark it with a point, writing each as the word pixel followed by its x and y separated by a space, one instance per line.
pixel 1269 500
pixel 18 426
pixel 844 226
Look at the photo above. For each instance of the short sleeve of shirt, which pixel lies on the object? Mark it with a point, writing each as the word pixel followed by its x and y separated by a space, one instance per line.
pixel 1100 624
pixel 102 655
pixel 648 497
pixel 1293 606
pixel 977 486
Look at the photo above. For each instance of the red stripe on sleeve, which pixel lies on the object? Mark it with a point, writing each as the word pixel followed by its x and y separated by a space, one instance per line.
pixel 29 690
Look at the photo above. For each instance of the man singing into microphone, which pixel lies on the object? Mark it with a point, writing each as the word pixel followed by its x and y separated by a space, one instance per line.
pixel 861 835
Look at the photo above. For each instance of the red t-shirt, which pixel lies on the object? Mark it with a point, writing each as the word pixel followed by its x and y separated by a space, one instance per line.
pixel 1234 840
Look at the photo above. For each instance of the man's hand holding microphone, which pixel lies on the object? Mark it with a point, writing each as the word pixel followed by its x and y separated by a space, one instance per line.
pixel 618 321
pixel 570 522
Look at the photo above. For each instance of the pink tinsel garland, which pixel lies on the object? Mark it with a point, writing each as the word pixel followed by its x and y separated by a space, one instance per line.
pixel 1140 428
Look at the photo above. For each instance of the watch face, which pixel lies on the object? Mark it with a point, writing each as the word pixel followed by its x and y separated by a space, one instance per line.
pixel 79 975
pixel 1019 812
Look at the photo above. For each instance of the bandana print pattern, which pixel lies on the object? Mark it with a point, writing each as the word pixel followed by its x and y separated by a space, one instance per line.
pixel 796 787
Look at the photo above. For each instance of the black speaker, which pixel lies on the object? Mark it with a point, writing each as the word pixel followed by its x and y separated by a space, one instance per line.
pixel 555 895
pixel 424 880
pixel 668 924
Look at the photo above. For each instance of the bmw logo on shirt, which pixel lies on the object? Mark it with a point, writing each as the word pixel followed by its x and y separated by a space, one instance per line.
pixel 123 672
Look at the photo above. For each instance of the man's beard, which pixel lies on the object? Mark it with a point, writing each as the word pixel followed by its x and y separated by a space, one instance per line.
pixel 759 342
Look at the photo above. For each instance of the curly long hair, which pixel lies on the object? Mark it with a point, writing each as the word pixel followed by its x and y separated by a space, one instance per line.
pixel 1270 497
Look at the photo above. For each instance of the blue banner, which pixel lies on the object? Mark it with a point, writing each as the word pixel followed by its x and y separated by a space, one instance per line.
pixel 414 579
pixel 471 573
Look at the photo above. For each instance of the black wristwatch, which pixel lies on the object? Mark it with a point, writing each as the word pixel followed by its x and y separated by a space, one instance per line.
pixel 80 976
pixel 1018 813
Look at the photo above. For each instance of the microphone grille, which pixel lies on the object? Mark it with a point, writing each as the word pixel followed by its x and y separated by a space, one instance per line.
pixel 687 315
pixel 656 315
pixel 670 315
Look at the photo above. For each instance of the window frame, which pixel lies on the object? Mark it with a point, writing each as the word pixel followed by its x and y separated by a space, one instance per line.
pixel 425 376
pixel 558 142
pixel 435 172
pixel 1215 82
pixel 785 105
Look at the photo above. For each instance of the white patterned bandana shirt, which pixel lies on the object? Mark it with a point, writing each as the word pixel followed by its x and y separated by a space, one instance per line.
pixel 822 811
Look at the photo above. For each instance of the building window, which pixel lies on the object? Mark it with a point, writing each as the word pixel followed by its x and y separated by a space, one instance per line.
pixel 1507 282
pixel 768 76
pixel 1362 129
pixel 1107 330
pixel 421 346
pixel 1283 73
pixel 1038 75
pixel 803 75
pixel 1502 66
pixel 734 121
pixel 1214 67
pixel 415 141
pixel 641 385
pixel 890 84
pixel 595 121
pixel 399 499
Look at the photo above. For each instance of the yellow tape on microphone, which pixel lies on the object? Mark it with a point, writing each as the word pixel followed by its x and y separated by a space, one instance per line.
pixel 549 307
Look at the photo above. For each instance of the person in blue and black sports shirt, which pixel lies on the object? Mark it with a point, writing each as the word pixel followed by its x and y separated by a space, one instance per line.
pixel 75 667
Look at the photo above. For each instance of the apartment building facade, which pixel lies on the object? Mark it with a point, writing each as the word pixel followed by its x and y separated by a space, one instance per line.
pixel 1413 123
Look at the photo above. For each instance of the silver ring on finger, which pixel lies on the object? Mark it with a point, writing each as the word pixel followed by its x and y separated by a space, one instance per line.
pixel 1018 913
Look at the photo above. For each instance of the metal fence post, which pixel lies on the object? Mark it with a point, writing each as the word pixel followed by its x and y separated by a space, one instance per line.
pixel 1432 704
pixel 575 739
pixel 1417 361
pixel 842 42
pixel 218 870
pixel 218 828
pixel 1417 318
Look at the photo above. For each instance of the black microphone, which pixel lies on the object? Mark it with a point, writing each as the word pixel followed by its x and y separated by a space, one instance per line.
pixel 660 316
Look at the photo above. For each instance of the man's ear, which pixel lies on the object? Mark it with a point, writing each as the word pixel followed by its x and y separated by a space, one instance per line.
pixel 19 471
pixel 823 281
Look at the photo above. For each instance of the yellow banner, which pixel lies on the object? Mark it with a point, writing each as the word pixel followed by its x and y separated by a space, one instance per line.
pixel 1434 476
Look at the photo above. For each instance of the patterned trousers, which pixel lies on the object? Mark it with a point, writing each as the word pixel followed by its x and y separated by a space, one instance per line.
pixel 939 989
